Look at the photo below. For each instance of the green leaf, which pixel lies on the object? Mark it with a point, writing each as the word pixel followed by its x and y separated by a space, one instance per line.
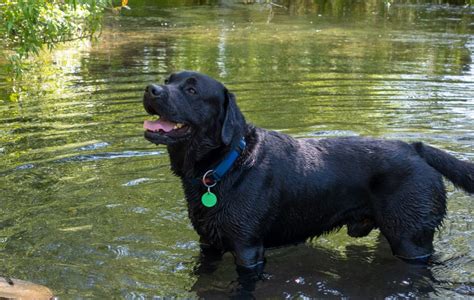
pixel 32 24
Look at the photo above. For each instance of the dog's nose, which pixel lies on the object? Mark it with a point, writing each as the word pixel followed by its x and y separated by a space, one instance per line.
pixel 155 90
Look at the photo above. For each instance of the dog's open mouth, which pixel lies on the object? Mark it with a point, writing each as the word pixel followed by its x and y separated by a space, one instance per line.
pixel 165 127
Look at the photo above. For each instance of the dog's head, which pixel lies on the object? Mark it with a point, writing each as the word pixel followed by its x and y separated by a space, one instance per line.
pixel 191 105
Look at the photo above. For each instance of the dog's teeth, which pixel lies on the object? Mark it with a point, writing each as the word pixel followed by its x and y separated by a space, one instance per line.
pixel 178 125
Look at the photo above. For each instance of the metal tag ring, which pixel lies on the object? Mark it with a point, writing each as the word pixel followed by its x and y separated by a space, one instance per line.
pixel 204 179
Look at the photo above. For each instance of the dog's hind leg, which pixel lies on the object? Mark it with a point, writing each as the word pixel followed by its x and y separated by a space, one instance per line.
pixel 408 216
pixel 413 247
pixel 409 232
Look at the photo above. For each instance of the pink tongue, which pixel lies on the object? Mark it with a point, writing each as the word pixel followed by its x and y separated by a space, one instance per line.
pixel 166 126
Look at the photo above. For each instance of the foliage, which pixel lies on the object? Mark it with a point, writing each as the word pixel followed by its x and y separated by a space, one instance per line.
pixel 28 25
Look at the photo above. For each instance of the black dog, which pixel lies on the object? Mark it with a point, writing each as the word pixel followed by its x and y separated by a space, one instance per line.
pixel 275 190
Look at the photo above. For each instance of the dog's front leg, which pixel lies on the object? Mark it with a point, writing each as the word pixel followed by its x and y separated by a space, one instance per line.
pixel 250 262
pixel 209 257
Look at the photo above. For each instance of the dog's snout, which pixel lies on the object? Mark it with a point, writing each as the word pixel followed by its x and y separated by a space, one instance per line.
pixel 155 90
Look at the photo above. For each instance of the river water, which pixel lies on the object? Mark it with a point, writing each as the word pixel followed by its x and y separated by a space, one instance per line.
pixel 90 209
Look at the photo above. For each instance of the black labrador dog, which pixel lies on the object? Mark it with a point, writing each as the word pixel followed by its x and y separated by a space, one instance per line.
pixel 248 188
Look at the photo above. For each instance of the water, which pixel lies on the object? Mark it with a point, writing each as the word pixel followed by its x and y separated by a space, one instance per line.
pixel 91 210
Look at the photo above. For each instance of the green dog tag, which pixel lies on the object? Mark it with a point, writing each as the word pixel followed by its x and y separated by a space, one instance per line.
pixel 209 199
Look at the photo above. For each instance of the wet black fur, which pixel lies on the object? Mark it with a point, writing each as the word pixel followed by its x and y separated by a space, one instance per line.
pixel 283 190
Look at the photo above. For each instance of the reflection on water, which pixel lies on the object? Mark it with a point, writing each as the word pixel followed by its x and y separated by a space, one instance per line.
pixel 366 272
pixel 90 209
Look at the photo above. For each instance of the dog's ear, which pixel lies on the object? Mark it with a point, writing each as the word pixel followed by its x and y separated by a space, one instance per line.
pixel 234 121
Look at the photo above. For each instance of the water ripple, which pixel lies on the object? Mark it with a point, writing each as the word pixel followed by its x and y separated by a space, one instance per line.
pixel 109 155
pixel 137 181
pixel 94 146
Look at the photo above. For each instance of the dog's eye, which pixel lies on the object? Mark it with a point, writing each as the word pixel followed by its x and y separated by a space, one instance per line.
pixel 191 91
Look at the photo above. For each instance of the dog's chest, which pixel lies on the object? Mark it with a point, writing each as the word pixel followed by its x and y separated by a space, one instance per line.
pixel 207 221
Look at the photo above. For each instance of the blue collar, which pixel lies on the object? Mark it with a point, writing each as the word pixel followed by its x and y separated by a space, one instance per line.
pixel 224 166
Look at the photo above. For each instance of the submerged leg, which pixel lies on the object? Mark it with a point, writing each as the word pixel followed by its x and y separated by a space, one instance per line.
pixel 250 263
pixel 408 216
pixel 208 258
pixel 412 247
pixel 415 248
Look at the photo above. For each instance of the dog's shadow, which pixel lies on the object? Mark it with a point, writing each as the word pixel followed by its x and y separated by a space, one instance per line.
pixel 316 272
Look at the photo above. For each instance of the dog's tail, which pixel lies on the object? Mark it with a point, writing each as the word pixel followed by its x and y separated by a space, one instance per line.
pixel 461 173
